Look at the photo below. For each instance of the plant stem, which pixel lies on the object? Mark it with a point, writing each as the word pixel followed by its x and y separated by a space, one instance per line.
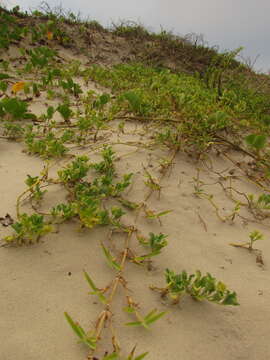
pixel 106 313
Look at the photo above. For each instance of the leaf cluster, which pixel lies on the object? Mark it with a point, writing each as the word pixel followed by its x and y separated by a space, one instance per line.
pixel 10 31
pixel 39 57
pixel 47 147
pixel 28 230
pixel 15 109
pixel 198 287
pixel 155 242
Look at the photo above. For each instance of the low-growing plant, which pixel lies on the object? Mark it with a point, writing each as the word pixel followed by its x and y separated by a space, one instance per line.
pixel 51 75
pixel 40 57
pixel 47 146
pixel 151 183
pixel 136 102
pixel 106 297
pixel 28 230
pixel 10 30
pixel 70 86
pixel 155 243
pixel 263 201
pixel 145 321
pixel 256 142
pixel 75 171
pixel 13 131
pixel 63 212
pixel 15 109
pixel 65 112
pixel 106 166
pixel 259 206
pixel 174 109
pixel 3 86
pixel 253 237
pixel 198 287
pixel 33 182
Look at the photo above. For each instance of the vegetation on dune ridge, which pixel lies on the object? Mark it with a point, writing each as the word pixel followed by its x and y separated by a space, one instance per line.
pixel 189 53
pixel 203 103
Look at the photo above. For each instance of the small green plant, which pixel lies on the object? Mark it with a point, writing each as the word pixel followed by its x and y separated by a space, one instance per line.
pixel 75 171
pixel 150 214
pixel 259 206
pixel 71 87
pixel 253 237
pixel 28 230
pixel 257 142
pixel 198 287
pixel 13 131
pixel 34 187
pixel 65 112
pixel 263 201
pixel 145 321
pixel 47 147
pixel 63 212
pixel 5 66
pixel 10 31
pixel 169 137
pixel 15 109
pixel 136 102
pixel 3 86
pixel 50 75
pixel 106 166
pixel 155 243
pixel 151 183
pixel 40 57
pixel 4 76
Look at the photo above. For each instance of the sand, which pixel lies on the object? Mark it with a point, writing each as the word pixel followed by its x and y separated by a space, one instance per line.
pixel 40 282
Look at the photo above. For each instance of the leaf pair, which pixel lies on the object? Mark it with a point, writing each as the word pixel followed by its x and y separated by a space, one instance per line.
pixel 95 291
pixel 110 259
pixel 150 318
pixel 79 331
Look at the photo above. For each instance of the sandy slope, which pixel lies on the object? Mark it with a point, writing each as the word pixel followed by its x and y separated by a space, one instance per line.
pixel 40 282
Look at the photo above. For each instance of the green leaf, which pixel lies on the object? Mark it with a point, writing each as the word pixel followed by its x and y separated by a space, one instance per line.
pixel 134 323
pixel 142 356
pixel 65 111
pixel 95 289
pixel 90 342
pixel 146 256
pixel 256 141
pixel 129 204
pixel 134 100
pixel 76 327
pixel 50 112
pixel 4 76
pixel 29 116
pixel 112 356
pixel 153 316
pixel 110 260
pixel 230 299
pixel 3 86
pixel 129 309
pixel 162 213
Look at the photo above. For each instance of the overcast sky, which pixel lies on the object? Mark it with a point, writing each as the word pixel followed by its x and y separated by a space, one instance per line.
pixel 226 23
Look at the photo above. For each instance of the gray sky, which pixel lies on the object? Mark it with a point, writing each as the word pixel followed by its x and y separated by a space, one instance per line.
pixel 226 23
